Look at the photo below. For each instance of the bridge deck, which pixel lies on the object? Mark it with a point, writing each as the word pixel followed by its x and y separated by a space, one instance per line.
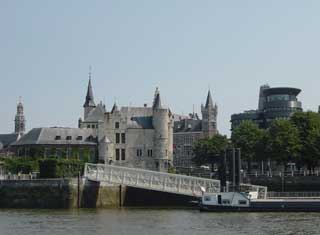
pixel 153 180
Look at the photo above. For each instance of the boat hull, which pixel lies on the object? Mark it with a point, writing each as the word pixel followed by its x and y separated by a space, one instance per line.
pixel 267 206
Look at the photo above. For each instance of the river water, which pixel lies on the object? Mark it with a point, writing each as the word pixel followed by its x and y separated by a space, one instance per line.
pixel 153 222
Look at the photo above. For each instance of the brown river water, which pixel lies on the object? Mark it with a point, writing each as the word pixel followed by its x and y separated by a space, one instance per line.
pixel 153 221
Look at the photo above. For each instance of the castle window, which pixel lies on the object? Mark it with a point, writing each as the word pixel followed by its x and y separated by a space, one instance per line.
pixel 139 152
pixel 88 126
pixel 123 154
pixel 79 137
pixel 117 125
pixel 117 138
pixel 123 138
pixel 117 154
pixel 68 137
pixel 93 126
pixel 58 137
pixel 149 152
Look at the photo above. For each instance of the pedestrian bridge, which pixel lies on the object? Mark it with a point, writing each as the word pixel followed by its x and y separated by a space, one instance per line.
pixel 152 180
pixel 159 181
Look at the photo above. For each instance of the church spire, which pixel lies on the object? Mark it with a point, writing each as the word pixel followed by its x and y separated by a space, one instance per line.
pixel 89 97
pixel 19 121
pixel 209 102
pixel 114 108
pixel 157 100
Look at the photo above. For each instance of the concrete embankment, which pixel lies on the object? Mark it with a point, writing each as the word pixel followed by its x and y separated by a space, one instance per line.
pixel 67 193
pixel 289 183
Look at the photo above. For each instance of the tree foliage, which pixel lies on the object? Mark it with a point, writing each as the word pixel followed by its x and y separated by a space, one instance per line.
pixel 308 125
pixel 284 141
pixel 250 139
pixel 207 151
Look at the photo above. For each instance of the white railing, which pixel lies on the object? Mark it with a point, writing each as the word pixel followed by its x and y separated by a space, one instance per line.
pixel 153 180
pixel 293 195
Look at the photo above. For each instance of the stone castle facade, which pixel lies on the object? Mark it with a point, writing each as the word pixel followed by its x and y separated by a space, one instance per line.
pixel 189 129
pixel 131 136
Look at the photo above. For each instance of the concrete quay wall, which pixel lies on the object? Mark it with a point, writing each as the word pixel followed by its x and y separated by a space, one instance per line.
pixel 66 193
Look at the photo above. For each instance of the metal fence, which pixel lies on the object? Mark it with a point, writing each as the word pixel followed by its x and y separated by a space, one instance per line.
pixel 153 180
pixel 293 195
pixel 17 176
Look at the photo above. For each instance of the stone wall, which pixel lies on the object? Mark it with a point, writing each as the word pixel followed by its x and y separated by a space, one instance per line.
pixel 64 193
pixel 289 183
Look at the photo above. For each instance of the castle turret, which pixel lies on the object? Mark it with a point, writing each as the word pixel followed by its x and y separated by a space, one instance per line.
pixel 161 124
pixel 89 102
pixel 19 121
pixel 209 117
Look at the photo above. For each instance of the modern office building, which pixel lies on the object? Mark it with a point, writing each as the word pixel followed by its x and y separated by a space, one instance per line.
pixel 274 103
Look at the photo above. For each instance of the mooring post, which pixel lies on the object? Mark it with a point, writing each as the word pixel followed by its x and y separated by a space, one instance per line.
pixel 78 196
pixel 120 195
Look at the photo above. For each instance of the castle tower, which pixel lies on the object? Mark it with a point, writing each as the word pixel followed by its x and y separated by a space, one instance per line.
pixel 209 117
pixel 161 124
pixel 19 121
pixel 89 102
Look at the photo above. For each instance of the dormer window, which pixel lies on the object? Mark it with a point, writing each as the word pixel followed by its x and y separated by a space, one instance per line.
pixel 58 137
pixel 68 137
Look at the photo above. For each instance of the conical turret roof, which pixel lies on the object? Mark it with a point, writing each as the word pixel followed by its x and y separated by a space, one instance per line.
pixel 209 102
pixel 89 97
pixel 157 100
pixel 114 108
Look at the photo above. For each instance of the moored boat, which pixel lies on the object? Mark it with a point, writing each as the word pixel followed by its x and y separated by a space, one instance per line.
pixel 241 201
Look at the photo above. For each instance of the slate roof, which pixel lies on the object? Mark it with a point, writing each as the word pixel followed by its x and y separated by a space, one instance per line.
pixel 209 102
pixel 48 136
pixel 114 108
pixel 187 125
pixel 140 122
pixel 89 97
pixel 97 114
pixel 157 100
pixel 7 139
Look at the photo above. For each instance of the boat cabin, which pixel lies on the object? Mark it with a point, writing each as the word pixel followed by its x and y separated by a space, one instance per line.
pixel 238 199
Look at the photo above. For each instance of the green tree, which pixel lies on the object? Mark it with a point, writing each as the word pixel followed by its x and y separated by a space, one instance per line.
pixel 207 151
pixel 284 141
pixel 308 125
pixel 251 140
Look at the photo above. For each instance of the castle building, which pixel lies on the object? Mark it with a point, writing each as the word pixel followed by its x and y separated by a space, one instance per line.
pixel 274 103
pixel 131 136
pixel 187 130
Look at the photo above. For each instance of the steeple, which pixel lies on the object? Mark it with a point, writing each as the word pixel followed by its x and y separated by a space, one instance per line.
pixel 89 97
pixel 209 117
pixel 157 100
pixel 89 102
pixel 19 121
pixel 114 108
pixel 209 102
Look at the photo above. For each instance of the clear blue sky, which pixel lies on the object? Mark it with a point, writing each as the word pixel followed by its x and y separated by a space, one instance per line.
pixel 183 47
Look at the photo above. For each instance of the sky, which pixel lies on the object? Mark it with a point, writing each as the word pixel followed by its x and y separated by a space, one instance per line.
pixel 184 47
